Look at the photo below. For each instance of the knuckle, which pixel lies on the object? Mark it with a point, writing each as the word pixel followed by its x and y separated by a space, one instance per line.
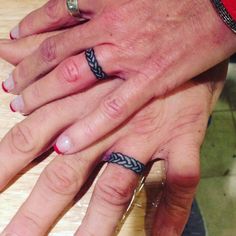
pixel 116 192
pixel 181 188
pixel 4 176
pixel 113 107
pixel 22 139
pixel 47 50
pixel 185 181
pixel 29 218
pixel 68 70
pixel 61 178
pixel 52 11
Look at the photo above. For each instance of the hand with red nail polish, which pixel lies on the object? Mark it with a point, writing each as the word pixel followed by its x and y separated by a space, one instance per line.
pixel 153 54
pixel 105 107
pixel 171 128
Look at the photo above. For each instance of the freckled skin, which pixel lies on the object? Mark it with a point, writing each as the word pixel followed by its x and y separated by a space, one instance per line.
pixel 163 50
pixel 166 124
pixel 158 41
pixel 51 8
pixel 48 50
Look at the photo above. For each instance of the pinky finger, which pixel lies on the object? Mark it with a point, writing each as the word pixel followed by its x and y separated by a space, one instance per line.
pixel 182 177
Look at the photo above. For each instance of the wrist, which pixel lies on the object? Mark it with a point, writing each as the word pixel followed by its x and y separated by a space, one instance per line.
pixel 223 36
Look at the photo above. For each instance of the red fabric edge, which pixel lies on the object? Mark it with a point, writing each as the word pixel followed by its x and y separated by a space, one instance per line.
pixel 230 6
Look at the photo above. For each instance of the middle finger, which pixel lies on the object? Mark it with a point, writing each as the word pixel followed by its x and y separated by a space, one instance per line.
pixel 37 132
pixel 52 51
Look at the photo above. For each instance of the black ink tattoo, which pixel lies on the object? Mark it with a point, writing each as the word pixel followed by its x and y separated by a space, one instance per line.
pixel 127 162
pixel 93 64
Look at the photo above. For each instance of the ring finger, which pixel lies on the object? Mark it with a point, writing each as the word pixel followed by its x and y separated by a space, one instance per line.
pixel 51 52
pixel 28 139
pixel 71 76
pixel 62 180
pixel 115 188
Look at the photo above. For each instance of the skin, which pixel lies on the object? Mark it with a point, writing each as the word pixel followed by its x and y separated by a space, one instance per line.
pixel 174 126
pixel 149 53
pixel 54 15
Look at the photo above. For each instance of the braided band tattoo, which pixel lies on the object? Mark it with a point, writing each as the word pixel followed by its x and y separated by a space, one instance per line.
pixel 127 162
pixel 93 64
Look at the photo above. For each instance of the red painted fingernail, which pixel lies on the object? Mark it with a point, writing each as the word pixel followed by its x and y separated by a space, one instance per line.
pixel 11 37
pixel 14 34
pixel 4 88
pixel 56 149
pixel 12 109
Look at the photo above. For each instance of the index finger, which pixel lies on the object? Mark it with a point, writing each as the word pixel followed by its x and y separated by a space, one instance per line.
pixel 114 109
pixel 36 133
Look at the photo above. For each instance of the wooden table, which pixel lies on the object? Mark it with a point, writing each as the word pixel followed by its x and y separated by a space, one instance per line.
pixel 138 221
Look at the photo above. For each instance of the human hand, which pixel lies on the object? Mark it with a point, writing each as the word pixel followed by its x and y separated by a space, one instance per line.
pixel 54 15
pixel 137 51
pixel 171 128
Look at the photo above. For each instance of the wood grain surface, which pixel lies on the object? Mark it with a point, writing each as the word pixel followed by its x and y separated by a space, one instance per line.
pixel 137 222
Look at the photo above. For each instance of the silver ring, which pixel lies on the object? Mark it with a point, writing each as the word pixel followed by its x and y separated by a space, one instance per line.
pixel 73 7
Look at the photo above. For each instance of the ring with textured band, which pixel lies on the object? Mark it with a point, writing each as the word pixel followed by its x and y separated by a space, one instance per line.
pixel 127 162
pixel 73 7
pixel 94 65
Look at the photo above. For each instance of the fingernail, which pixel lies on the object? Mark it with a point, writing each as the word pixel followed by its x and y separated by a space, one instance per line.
pixel 17 104
pixel 15 34
pixel 8 84
pixel 56 149
pixel 11 36
pixel 62 145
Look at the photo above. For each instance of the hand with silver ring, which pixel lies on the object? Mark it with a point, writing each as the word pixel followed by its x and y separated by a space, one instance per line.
pixel 58 14
pixel 171 128
pixel 152 46
pixel 73 7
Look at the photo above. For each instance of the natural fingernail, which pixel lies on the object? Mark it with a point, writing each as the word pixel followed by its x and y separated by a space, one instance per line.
pixel 15 34
pixel 17 104
pixel 62 145
pixel 8 84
